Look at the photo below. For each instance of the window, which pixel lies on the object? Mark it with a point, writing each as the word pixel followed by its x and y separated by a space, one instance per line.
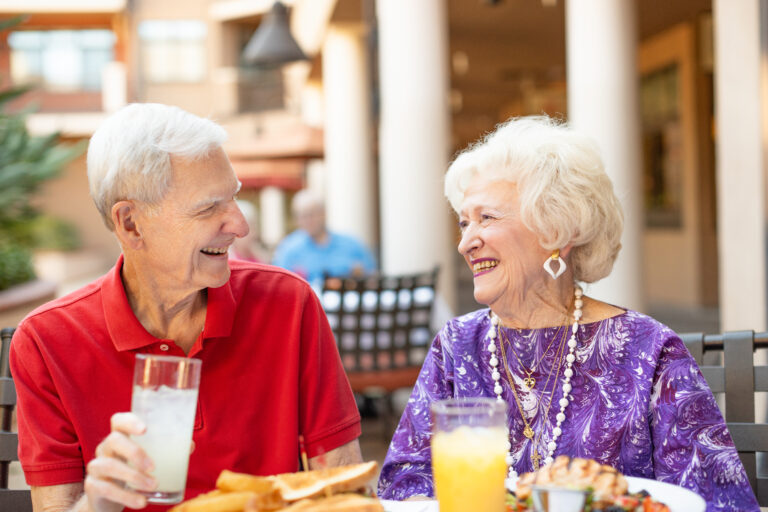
pixel 61 60
pixel 662 148
pixel 172 50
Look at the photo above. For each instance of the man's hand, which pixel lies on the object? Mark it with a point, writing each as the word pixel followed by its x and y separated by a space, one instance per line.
pixel 119 461
pixel 106 475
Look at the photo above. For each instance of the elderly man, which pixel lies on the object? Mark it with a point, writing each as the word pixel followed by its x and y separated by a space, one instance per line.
pixel 313 251
pixel 270 371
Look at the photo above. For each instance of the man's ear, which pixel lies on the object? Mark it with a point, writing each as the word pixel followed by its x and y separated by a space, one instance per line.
pixel 124 215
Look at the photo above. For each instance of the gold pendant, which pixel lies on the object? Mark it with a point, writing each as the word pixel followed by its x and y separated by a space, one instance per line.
pixel 529 382
pixel 528 432
pixel 535 458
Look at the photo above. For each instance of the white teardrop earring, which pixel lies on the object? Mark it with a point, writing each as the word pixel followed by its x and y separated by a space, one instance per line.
pixel 560 262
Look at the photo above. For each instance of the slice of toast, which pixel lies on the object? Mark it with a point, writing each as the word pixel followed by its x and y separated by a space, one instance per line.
pixel 324 482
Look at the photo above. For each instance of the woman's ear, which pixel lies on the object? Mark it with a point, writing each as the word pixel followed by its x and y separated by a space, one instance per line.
pixel 565 250
pixel 126 228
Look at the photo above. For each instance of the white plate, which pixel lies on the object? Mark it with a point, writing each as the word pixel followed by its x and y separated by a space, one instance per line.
pixel 409 506
pixel 676 498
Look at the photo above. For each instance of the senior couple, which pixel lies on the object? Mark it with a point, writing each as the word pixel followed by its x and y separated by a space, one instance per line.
pixel 537 214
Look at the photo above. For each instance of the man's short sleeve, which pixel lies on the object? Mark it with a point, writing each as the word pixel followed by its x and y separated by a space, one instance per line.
pixel 328 413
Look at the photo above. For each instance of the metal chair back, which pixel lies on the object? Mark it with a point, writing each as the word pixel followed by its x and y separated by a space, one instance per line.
pixel 382 327
pixel 738 379
pixel 18 500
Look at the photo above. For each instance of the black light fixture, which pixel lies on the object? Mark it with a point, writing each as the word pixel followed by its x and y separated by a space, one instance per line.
pixel 272 44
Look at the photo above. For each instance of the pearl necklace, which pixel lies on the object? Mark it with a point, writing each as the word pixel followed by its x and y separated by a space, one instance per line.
pixel 567 374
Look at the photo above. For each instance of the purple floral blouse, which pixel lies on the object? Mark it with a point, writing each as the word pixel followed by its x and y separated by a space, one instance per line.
pixel 639 403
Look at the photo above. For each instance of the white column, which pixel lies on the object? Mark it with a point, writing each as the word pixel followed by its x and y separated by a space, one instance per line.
pixel 349 186
pixel 114 86
pixel 414 140
pixel 601 53
pixel 272 203
pixel 739 165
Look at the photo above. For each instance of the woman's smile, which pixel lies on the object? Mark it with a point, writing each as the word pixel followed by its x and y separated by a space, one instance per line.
pixel 482 266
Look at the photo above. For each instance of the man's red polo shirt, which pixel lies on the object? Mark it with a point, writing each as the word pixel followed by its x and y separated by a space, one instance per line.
pixel 270 372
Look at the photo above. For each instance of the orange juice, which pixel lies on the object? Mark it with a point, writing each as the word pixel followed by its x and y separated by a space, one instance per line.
pixel 469 468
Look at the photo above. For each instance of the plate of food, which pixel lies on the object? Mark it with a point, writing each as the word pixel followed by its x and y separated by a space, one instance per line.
pixel 575 484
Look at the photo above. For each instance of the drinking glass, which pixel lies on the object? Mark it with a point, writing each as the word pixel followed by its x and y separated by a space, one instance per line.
pixel 165 398
pixel 469 448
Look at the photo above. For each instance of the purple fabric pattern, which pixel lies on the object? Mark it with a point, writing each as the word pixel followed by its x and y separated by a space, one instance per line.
pixel 639 403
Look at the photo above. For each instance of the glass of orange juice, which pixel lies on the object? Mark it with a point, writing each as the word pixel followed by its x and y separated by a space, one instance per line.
pixel 469 448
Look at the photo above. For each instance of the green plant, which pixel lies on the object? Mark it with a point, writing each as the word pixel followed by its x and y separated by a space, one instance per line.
pixel 26 161
pixel 15 265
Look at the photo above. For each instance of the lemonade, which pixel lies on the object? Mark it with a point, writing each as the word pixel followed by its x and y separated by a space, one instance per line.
pixel 469 467
pixel 170 416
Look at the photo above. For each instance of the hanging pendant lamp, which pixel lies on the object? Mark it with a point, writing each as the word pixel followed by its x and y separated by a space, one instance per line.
pixel 272 44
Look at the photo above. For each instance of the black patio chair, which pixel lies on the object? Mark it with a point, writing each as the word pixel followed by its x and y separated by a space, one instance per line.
pixel 382 329
pixel 18 500
pixel 737 378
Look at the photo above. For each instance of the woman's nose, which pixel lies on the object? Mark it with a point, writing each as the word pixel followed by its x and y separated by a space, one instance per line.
pixel 469 241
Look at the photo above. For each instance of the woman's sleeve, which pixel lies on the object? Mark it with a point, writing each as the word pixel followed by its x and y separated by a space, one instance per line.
pixel 691 444
pixel 407 469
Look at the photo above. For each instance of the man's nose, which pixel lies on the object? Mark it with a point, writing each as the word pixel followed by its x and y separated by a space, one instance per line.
pixel 236 222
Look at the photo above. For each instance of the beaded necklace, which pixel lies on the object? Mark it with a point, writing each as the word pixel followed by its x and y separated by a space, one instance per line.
pixel 567 374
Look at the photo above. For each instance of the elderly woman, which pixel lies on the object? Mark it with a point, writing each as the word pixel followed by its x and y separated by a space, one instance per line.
pixel 584 378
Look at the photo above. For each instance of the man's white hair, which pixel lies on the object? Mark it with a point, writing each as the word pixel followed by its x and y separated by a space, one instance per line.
pixel 306 199
pixel 129 156
pixel 565 195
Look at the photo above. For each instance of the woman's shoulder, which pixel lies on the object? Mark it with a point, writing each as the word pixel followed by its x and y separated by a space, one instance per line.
pixel 469 321
pixel 640 330
pixel 466 328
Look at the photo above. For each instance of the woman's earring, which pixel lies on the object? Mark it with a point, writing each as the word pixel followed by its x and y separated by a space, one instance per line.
pixel 561 264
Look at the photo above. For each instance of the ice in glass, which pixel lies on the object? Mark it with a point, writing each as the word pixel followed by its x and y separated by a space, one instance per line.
pixel 165 398
pixel 469 447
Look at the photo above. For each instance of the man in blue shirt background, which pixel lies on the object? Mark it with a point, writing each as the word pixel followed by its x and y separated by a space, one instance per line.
pixel 312 250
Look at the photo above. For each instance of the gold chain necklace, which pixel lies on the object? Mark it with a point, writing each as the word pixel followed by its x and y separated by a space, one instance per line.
pixel 529 381
pixel 535 457
pixel 528 431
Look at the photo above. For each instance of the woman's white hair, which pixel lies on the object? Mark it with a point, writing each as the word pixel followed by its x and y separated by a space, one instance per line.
pixel 565 195
pixel 129 156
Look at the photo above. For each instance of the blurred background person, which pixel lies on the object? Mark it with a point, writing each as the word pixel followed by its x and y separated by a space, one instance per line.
pixel 313 251
pixel 250 247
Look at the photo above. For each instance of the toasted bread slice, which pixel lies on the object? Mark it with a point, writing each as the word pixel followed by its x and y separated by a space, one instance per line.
pixel 215 501
pixel 267 494
pixel 337 503
pixel 307 484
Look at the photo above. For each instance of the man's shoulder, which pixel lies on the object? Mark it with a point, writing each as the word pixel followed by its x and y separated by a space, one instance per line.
pixel 86 298
pixel 347 242
pixel 247 274
pixel 296 238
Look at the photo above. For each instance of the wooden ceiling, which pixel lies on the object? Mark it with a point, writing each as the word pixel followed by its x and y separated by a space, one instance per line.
pixel 508 56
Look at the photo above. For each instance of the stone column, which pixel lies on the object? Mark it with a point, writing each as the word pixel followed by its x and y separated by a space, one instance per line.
pixel 601 53
pixel 272 202
pixel 349 185
pixel 739 165
pixel 414 140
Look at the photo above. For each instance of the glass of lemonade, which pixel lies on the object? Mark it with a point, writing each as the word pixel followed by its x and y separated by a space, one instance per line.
pixel 469 448
pixel 165 398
